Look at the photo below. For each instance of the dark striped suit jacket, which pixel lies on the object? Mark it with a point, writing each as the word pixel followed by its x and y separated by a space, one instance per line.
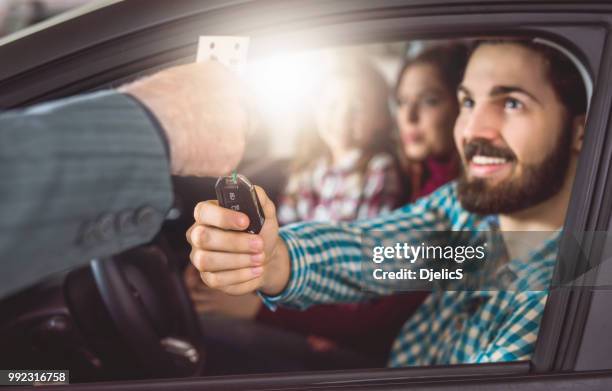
pixel 80 178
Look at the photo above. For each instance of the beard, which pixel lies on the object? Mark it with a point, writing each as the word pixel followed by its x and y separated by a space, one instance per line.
pixel 536 184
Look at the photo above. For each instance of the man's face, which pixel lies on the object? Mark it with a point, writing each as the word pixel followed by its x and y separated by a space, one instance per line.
pixel 512 131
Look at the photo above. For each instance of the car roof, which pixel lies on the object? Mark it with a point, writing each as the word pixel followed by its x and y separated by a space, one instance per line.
pixel 58 19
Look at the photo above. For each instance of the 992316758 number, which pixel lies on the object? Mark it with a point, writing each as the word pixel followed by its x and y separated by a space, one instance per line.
pixel 12 377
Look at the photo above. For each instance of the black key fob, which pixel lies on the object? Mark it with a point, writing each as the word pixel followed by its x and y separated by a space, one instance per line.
pixel 239 194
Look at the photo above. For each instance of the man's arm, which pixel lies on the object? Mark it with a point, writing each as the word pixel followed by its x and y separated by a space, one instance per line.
pixel 89 176
pixel 309 263
pixel 82 178
pixel 327 260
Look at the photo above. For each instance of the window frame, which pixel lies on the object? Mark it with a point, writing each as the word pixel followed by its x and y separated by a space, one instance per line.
pixel 146 45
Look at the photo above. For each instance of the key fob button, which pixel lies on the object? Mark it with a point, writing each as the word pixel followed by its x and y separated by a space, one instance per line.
pixel 239 194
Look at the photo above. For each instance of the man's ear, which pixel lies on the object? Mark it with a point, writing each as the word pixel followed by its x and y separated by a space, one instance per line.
pixel 578 125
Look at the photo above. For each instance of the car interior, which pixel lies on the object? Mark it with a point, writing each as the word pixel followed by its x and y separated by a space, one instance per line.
pixel 131 317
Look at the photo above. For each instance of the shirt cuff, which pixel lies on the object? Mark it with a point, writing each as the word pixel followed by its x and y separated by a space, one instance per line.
pixel 299 274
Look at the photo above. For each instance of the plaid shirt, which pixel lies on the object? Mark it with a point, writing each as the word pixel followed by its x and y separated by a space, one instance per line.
pixel 450 327
pixel 341 192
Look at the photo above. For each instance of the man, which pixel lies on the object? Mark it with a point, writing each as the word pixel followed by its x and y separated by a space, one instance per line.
pixel 89 176
pixel 519 133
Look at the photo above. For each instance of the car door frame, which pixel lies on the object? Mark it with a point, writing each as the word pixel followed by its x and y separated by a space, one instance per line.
pixel 167 35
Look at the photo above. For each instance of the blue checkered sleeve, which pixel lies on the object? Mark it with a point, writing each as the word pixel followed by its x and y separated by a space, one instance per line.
pixel 516 338
pixel 326 259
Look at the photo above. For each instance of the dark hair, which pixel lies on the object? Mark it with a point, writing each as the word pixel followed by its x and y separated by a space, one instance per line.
pixel 561 70
pixel 449 59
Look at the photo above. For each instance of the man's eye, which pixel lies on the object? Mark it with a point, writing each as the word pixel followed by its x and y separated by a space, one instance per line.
pixel 513 104
pixel 466 102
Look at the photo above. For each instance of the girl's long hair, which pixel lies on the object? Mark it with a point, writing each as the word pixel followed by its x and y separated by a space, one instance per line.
pixel 449 59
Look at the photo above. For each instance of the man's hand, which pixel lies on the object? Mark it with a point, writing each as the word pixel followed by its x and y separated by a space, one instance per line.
pixel 238 262
pixel 204 111
pixel 212 301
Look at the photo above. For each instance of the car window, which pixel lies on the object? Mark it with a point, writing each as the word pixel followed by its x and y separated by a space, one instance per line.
pixel 421 188
pixel 431 180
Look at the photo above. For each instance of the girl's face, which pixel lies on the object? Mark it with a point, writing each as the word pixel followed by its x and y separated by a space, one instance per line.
pixel 349 112
pixel 426 113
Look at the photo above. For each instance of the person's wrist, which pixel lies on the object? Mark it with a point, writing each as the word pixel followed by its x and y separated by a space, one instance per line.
pixel 146 97
pixel 276 278
pixel 201 109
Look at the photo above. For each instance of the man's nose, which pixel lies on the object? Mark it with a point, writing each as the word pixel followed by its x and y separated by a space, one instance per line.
pixel 479 123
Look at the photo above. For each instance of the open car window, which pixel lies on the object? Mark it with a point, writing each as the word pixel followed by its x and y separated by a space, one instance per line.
pixel 433 127
pixel 422 188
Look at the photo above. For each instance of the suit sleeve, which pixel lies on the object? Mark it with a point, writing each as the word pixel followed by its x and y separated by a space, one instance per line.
pixel 82 178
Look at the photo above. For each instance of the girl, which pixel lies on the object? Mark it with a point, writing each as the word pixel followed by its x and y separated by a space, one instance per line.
pixel 346 169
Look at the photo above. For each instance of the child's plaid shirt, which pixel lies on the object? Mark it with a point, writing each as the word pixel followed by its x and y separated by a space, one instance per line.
pixel 341 192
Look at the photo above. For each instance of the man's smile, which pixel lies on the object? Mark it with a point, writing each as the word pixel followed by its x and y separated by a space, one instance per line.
pixel 482 166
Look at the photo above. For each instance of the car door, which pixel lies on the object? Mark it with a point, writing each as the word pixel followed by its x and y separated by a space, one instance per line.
pixel 572 349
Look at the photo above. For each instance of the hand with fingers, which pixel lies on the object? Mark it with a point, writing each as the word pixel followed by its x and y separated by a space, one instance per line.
pixel 237 262
pixel 211 301
pixel 205 112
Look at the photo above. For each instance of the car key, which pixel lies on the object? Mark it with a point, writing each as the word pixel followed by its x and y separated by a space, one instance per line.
pixel 237 193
